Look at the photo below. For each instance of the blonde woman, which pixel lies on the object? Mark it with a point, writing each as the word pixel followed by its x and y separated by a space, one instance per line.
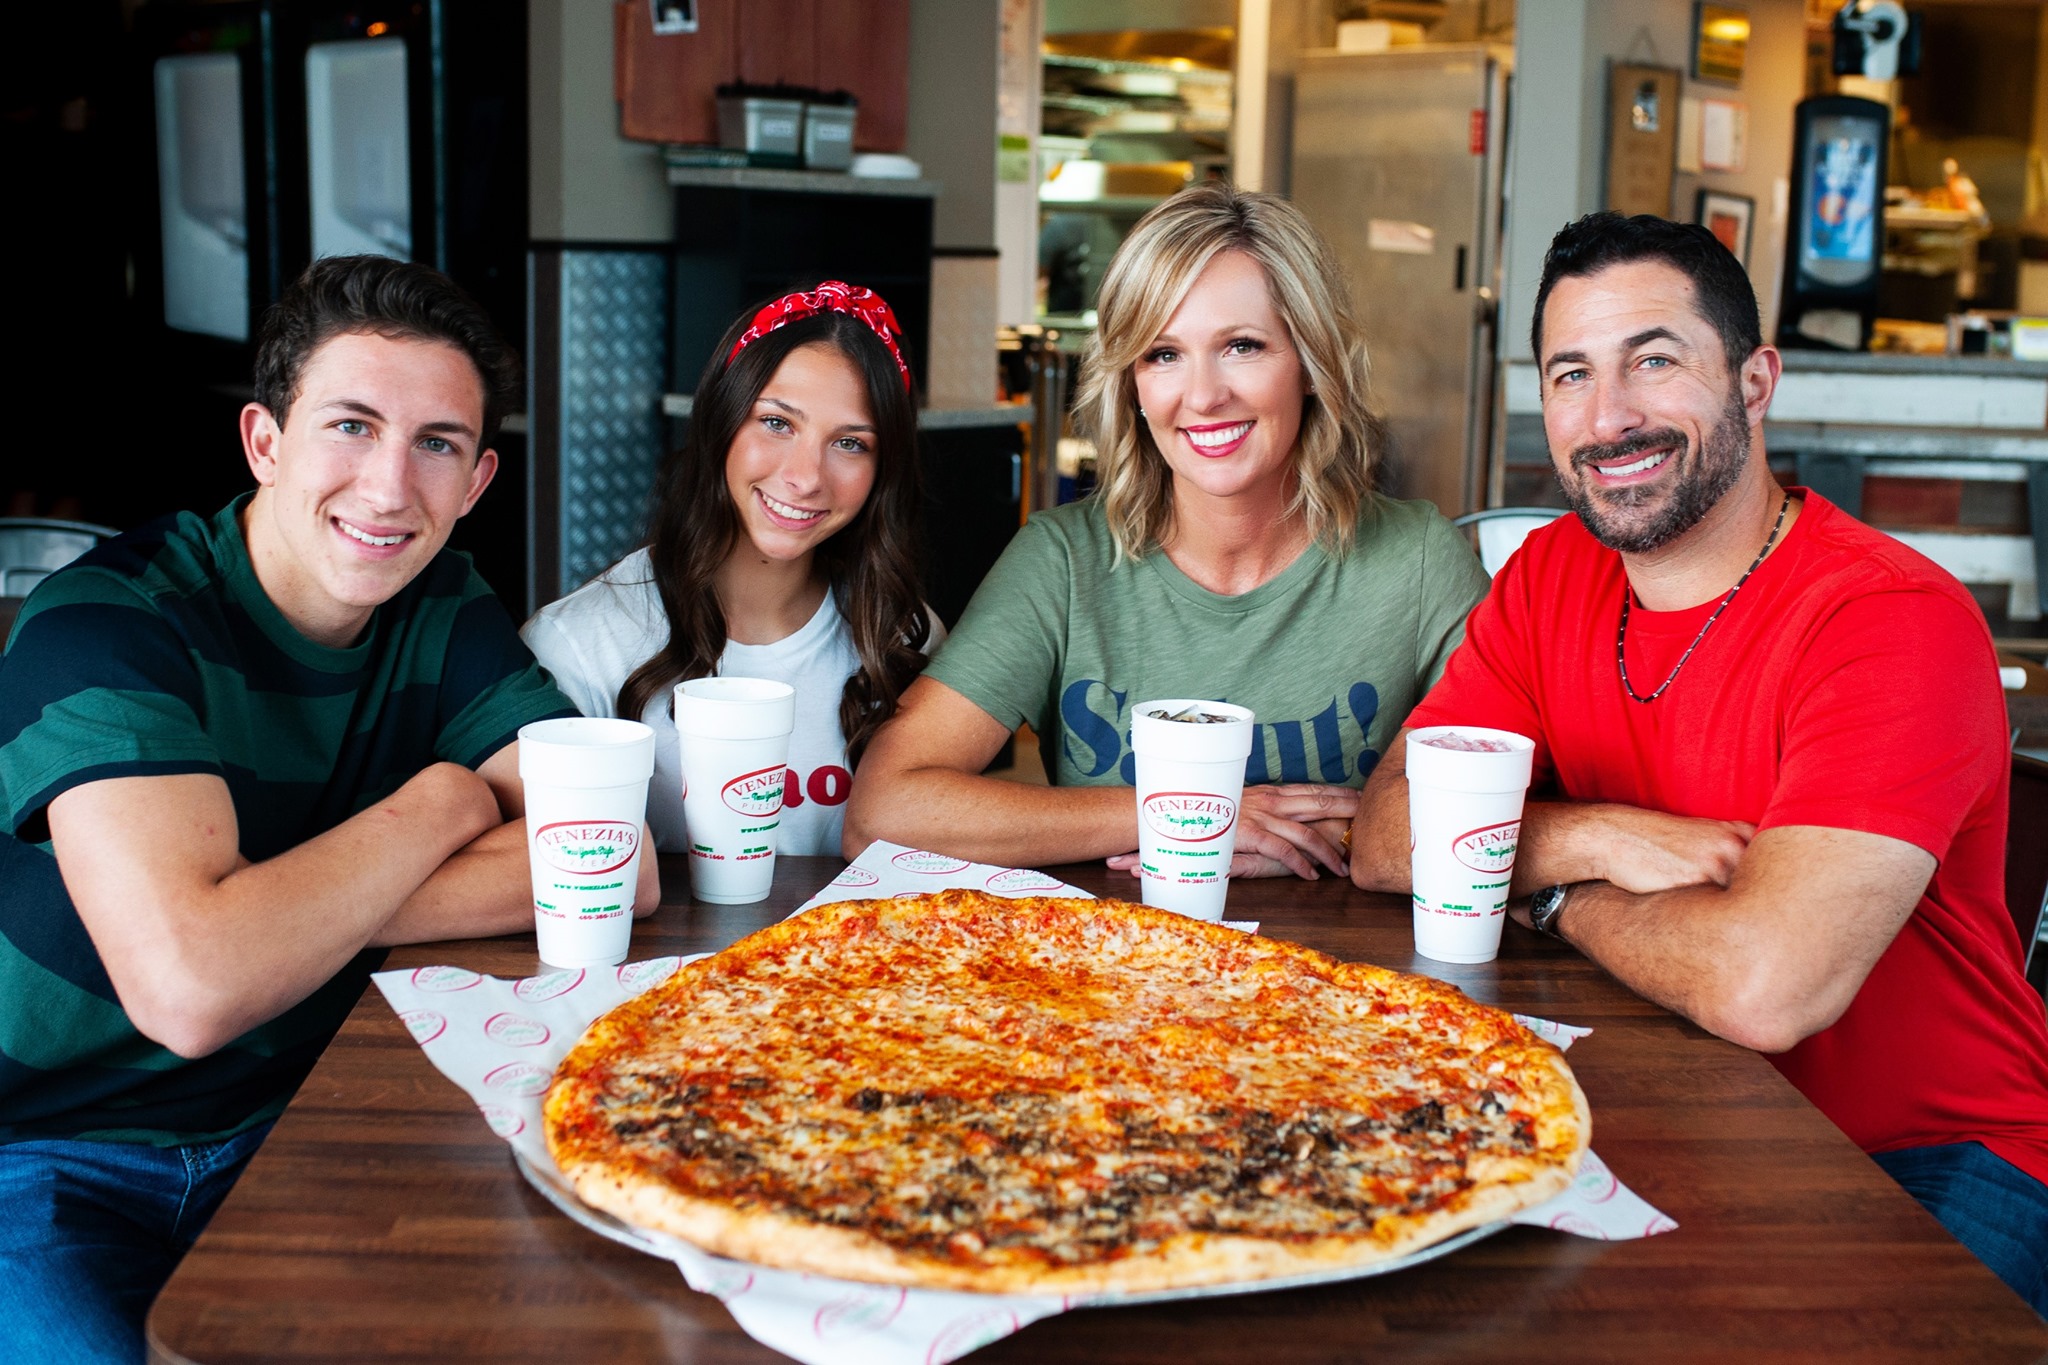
pixel 1235 550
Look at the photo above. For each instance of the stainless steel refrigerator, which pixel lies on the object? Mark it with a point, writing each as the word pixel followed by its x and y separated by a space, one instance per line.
pixel 1397 160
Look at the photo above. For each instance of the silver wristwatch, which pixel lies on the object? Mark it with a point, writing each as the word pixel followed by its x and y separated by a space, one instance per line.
pixel 1544 908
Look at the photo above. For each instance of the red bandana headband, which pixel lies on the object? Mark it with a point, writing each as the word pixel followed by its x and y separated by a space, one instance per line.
pixel 833 296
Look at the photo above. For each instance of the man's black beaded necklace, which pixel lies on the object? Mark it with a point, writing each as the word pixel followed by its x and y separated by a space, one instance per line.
pixel 1621 635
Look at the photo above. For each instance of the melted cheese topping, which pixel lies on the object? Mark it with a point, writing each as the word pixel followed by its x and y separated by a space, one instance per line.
pixel 1054 1082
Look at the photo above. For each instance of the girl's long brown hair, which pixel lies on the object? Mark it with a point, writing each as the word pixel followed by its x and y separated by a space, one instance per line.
pixel 871 563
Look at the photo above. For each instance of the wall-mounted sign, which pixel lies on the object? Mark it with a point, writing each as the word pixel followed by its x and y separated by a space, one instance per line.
pixel 1642 137
pixel 1720 42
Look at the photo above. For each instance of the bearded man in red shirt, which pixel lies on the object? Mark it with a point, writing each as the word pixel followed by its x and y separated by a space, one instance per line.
pixel 1772 741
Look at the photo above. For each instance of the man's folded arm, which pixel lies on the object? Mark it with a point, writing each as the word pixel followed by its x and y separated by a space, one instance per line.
pixel 200 944
pixel 1561 841
pixel 1776 955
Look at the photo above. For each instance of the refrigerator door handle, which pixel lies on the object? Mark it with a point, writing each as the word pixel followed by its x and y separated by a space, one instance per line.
pixel 1458 283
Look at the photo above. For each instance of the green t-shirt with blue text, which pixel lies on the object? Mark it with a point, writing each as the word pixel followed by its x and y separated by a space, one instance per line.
pixel 1331 654
pixel 160 653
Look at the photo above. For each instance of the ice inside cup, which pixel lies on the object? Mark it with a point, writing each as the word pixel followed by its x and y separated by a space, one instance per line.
pixel 585 781
pixel 1190 758
pixel 1458 742
pixel 1466 786
pixel 1193 715
pixel 733 740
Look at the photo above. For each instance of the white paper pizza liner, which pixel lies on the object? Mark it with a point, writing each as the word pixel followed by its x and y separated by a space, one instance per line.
pixel 500 1041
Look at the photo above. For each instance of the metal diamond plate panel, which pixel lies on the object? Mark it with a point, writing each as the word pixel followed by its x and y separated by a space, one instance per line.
pixel 614 357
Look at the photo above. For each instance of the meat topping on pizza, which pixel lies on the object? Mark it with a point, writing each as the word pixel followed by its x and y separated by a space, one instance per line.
pixel 1000 1090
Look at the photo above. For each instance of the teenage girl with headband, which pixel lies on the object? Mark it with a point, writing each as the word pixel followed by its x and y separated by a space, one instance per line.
pixel 782 547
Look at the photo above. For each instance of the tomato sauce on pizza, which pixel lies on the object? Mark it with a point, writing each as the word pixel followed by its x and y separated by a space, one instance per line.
pixel 964 1091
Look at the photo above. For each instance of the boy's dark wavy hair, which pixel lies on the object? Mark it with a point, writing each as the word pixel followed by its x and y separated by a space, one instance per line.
pixel 402 300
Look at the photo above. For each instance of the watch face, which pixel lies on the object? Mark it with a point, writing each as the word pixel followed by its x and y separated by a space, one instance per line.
pixel 1544 907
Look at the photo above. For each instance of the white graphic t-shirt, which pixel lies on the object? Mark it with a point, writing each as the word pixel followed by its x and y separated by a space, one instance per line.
pixel 594 638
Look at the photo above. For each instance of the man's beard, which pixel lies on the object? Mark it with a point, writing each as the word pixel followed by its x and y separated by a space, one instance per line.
pixel 1629 519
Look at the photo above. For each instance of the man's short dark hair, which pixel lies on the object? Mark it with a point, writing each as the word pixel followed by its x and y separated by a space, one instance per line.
pixel 402 300
pixel 1722 293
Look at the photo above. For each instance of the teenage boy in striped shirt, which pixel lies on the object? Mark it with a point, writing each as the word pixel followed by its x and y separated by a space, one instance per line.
pixel 241 755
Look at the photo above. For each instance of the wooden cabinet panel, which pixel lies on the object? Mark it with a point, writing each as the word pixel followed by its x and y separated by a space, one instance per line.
pixel 665 83
pixel 864 46
pixel 778 41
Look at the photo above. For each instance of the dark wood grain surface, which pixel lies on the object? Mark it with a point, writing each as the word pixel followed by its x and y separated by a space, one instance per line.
pixel 383 1222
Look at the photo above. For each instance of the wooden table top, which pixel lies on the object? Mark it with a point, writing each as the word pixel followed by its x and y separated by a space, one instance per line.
pixel 383 1222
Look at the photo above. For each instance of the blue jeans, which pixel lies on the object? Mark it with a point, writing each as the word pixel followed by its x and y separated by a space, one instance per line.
pixel 1988 1204
pixel 89 1232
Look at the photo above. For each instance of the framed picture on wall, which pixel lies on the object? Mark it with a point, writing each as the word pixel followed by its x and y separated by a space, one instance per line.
pixel 1720 42
pixel 1728 217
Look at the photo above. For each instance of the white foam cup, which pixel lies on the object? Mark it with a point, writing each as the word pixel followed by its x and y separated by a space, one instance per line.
pixel 1464 818
pixel 586 796
pixel 734 739
pixel 1190 780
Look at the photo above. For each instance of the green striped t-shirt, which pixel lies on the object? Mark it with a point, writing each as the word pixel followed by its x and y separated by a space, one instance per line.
pixel 160 653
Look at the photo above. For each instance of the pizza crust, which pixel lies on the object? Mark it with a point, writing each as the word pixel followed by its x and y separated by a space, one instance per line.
pixel 667 1026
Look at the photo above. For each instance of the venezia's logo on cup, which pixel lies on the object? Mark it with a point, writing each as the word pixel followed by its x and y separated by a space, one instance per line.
pixel 587 848
pixel 756 795
pixel 1190 817
pixel 1491 849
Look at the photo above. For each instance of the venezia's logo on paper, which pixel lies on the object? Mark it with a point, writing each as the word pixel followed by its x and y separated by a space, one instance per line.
pixel 548 985
pixel 1022 881
pixel 587 848
pixel 929 864
pixel 756 795
pixel 1491 849
pixel 1189 817
pixel 520 1078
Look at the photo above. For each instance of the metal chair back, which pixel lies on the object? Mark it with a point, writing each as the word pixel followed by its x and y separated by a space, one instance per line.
pixel 33 548
pixel 1499 531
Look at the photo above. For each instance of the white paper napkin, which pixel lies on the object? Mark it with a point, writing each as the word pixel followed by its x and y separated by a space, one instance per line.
pixel 885 870
pixel 500 1041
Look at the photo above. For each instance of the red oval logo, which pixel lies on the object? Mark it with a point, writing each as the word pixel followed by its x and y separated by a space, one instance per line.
pixel 1022 881
pixel 1189 817
pixel 444 978
pixel 587 848
pixel 424 1025
pixel 514 1031
pixel 855 876
pixel 1489 849
pixel 756 795
pixel 548 985
pixel 929 864
pixel 640 976
pixel 503 1121
pixel 519 1078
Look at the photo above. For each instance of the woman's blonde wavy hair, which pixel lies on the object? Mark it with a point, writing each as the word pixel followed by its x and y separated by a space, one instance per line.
pixel 1147 279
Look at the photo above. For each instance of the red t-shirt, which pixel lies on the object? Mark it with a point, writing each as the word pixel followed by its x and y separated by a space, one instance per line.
pixel 1852 684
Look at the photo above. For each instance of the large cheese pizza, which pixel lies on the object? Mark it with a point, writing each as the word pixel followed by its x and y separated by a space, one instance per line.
pixel 966 1092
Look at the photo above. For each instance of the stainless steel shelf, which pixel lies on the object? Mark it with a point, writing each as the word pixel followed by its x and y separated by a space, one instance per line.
pixel 1190 75
pixel 800 182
